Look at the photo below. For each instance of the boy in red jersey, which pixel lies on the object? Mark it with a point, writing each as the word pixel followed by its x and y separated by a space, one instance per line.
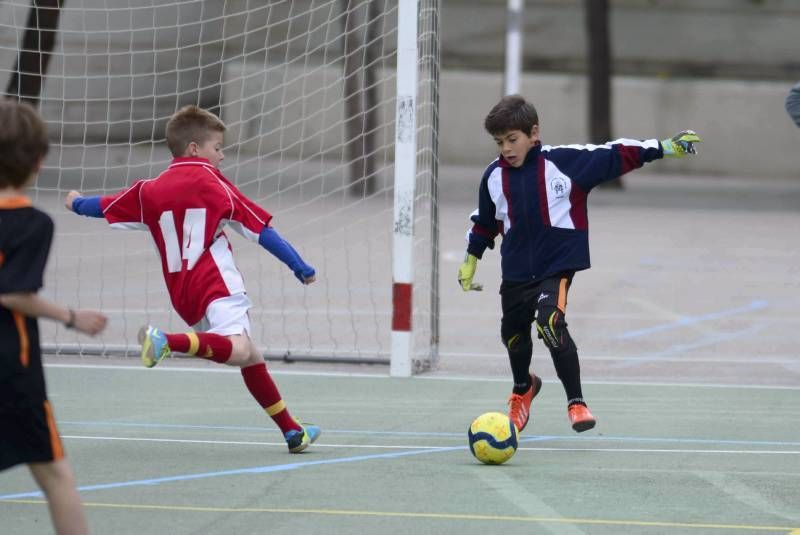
pixel 185 209
pixel 28 433
pixel 535 196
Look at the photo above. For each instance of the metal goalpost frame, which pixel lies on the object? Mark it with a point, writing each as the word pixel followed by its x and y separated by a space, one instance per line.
pixel 416 156
pixel 405 173
pixel 514 23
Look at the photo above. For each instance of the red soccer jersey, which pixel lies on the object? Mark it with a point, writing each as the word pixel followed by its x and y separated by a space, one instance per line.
pixel 185 209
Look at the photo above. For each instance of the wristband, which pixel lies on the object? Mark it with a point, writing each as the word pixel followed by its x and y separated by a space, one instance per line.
pixel 70 324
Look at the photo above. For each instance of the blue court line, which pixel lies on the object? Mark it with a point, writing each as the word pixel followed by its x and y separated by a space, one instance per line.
pixel 252 470
pixel 675 349
pixel 690 320
pixel 391 455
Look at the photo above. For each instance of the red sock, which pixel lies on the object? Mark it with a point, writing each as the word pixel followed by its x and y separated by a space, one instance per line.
pixel 204 345
pixel 263 389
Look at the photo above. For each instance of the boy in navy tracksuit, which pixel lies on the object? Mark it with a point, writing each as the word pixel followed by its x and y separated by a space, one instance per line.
pixel 535 196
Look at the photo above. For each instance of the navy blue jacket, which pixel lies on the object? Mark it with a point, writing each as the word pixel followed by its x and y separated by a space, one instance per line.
pixel 540 207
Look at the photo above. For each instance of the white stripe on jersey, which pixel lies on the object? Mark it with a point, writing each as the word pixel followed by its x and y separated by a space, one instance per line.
pixel 558 187
pixel 647 144
pixel 495 184
pixel 129 226
pixel 472 221
pixel 223 258
pixel 241 229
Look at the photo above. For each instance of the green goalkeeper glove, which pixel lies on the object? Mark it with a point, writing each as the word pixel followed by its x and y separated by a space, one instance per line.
pixel 466 272
pixel 681 144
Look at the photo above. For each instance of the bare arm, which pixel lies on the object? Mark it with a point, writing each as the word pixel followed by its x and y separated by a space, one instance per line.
pixel 30 304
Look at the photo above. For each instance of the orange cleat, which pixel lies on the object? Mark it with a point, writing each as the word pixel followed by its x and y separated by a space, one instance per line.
pixel 580 417
pixel 519 405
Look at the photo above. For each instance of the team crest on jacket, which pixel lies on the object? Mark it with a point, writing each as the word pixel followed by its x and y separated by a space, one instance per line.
pixel 558 185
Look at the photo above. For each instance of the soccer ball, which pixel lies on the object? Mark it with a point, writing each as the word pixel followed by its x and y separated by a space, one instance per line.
pixel 492 438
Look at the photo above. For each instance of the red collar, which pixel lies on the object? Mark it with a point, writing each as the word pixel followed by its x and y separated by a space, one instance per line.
pixel 188 160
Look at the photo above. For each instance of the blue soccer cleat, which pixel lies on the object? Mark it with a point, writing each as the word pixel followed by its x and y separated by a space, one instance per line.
pixel 297 441
pixel 154 345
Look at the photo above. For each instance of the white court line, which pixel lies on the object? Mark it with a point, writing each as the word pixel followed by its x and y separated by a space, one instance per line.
pixel 280 312
pixel 386 311
pixel 252 443
pixel 210 369
pixel 428 377
pixel 434 448
pixel 617 383
pixel 705 359
pixel 648 450
pixel 526 498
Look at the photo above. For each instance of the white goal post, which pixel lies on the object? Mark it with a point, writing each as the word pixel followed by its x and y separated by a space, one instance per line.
pixel 309 92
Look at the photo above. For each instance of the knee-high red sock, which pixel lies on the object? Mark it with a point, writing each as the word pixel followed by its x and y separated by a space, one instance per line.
pixel 204 345
pixel 262 387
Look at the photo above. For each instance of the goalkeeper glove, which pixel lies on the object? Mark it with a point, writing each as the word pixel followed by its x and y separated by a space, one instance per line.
pixel 466 272
pixel 681 144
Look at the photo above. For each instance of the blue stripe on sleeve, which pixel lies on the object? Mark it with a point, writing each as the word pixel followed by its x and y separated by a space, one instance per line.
pixel 270 240
pixel 87 206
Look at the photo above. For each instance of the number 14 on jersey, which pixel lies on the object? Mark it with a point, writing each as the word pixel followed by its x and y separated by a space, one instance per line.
pixel 194 234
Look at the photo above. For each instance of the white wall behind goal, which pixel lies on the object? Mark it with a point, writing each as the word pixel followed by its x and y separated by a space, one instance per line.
pixel 120 86
pixel 291 110
pixel 745 128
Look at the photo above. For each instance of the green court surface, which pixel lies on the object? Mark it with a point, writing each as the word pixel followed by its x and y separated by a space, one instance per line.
pixel 179 450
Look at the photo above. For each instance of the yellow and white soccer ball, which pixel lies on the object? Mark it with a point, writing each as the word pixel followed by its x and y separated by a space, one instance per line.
pixel 492 438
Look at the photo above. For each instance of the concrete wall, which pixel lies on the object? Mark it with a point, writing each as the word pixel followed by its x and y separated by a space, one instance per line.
pixel 752 39
pixel 121 67
pixel 120 82
pixel 745 128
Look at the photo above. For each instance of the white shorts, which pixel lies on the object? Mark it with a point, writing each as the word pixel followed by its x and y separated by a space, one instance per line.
pixel 226 316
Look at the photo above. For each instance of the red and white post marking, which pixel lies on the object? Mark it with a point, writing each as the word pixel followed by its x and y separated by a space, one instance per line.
pixel 405 175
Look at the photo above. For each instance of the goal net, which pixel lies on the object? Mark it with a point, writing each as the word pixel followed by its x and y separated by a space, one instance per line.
pixel 307 89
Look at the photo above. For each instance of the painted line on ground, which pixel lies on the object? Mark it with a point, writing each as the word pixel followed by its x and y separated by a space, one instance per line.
pixel 428 377
pixel 165 367
pixel 432 448
pixel 240 471
pixel 683 347
pixel 367 432
pixel 281 444
pixel 692 320
pixel 431 516
pixel 357 458
pixel 253 428
pixel 701 359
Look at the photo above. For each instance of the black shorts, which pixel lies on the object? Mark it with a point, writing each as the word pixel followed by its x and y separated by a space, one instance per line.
pixel 520 300
pixel 28 434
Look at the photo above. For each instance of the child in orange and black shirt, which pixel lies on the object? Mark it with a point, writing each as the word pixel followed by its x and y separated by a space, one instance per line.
pixel 28 433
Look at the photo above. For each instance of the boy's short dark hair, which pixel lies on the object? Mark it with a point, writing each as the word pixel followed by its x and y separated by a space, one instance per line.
pixel 513 112
pixel 191 123
pixel 23 142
